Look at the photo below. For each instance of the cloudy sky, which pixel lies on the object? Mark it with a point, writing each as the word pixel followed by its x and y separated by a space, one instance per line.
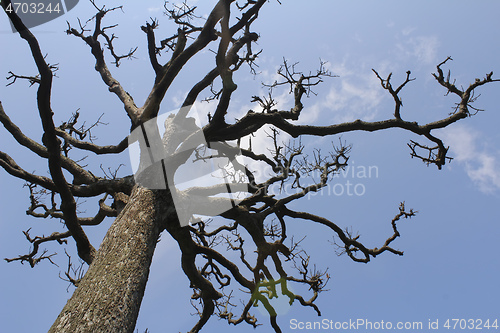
pixel 450 267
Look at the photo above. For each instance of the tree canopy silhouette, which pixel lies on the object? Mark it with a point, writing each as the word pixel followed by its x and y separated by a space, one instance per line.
pixel 249 248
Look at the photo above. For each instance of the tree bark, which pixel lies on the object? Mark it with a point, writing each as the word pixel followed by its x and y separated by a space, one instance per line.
pixel 109 296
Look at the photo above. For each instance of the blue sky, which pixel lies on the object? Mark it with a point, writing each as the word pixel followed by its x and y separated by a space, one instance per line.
pixel 450 267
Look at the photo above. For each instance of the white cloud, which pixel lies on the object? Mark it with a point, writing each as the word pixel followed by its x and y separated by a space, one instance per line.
pixel 481 164
pixel 423 48
pixel 407 31
pixel 354 95
pixel 155 9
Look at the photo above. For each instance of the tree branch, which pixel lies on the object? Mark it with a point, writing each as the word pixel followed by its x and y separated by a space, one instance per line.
pixel 68 205
pixel 68 164
pixel 100 66
pixel 31 257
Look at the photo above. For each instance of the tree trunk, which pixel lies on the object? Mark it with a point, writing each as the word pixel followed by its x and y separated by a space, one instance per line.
pixel 109 296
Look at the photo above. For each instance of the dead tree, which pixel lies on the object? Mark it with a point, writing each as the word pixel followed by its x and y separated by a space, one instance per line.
pixel 251 249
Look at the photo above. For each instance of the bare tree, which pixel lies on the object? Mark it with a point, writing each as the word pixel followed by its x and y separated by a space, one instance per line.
pixel 251 249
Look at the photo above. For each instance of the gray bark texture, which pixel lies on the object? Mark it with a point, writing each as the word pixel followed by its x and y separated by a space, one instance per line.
pixel 109 296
